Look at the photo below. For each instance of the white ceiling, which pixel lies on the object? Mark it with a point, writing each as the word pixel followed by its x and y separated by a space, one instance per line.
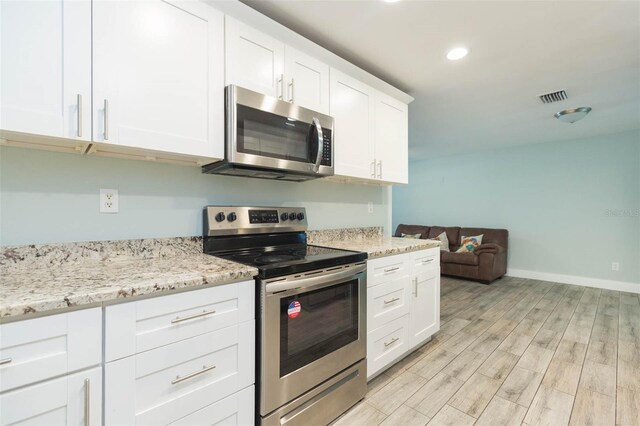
pixel 519 49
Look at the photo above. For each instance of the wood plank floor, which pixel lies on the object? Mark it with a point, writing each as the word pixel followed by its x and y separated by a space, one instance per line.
pixel 516 352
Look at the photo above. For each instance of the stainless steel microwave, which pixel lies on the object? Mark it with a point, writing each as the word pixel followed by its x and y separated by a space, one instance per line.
pixel 273 139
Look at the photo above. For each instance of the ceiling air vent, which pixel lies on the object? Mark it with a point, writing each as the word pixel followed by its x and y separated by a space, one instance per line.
pixel 550 97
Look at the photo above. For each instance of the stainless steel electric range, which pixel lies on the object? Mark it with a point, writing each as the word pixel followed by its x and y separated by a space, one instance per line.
pixel 311 313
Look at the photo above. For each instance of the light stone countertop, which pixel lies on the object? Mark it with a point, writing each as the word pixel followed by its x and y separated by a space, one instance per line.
pixel 382 246
pixel 76 284
pixel 50 278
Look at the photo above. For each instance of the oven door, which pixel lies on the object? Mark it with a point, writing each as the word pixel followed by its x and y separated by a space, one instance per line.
pixel 266 132
pixel 312 328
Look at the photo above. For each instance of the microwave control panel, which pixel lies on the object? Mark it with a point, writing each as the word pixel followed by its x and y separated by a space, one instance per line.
pixel 326 148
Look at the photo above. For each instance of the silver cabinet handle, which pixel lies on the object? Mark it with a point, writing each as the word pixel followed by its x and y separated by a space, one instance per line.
pixel 179 379
pixel 395 268
pixel 373 168
pixel 395 299
pixel 427 260
pixel 106 119
pixel 415 286
pixel 280 85
pixel 79 115
pixel 316 123
pixel 291 90
pixel 198 315
pixel 380 169
pixel 87 401
pixel 5 361
pixel 391 342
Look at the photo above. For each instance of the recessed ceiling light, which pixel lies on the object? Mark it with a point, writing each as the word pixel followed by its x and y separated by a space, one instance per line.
pixel 391 1
pixel 457 53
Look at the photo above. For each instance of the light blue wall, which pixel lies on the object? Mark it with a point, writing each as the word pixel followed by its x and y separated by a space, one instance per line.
pixel 554 199
pixel 50 197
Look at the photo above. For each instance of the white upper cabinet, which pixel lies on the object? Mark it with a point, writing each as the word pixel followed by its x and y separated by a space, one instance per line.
pixel 45 57
pixel 158 76
pixel 391 139
pixel 307 81
pixel 352 107
pixel 261 63
pixel 253 60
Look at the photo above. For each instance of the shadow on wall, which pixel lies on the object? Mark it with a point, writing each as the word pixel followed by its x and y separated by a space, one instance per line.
pixel 53 197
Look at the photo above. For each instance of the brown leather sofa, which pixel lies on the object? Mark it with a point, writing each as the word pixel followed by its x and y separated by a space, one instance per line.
pixel 488 261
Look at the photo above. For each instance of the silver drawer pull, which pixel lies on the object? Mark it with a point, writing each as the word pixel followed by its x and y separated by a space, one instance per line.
pixel 179 379
pixel 428 260
pixel 201 314
pixel 5 361
pixel 391 342
pixel 392 269
pixel 87 401
pixel 395 299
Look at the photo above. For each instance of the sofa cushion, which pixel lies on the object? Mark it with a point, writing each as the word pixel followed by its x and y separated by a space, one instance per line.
pixel 459 258
pixel 444 241
pixel 453 233
pixel 469 243
pixel 412 230
pixel 495 236
pixel 411 236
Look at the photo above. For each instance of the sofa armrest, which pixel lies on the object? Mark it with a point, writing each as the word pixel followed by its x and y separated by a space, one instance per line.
pixel 488 248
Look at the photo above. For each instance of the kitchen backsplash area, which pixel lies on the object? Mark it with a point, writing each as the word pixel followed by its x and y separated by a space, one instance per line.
pixel 48 197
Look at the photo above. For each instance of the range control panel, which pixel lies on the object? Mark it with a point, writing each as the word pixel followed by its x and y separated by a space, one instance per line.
pixel 228 220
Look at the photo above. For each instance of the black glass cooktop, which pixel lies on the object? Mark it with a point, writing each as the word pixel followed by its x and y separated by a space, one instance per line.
pixel 279 255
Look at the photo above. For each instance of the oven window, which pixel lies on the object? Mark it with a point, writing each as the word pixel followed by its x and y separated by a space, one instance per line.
pixel 270 135
pixel 317 323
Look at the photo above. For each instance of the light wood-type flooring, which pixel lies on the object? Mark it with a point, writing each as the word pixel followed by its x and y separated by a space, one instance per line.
pixel 516 352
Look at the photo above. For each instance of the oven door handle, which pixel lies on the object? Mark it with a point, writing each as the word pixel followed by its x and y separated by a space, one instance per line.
pixel 320 280
pixel 318 127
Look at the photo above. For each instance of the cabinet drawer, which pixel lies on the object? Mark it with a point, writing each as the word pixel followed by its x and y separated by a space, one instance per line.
pixel 425 259
pixel 234 410
pixel 388 301
pixel 135 327
pixel 387 343
pixel 41 348
pixel 386 269
pixel 61 401
pixel 168 383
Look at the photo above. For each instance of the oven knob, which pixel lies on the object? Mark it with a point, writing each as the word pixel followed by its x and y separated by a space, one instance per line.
pixel 232 217
pixel 292 216
pixel 300 216
pixel 284 216
pixel 220 217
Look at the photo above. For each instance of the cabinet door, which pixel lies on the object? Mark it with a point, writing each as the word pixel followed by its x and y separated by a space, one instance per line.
pixel 46 68
pixel 158 76
pixel 425 306
pixel 64 401
pixel 253 60
pixel 352 106
pixel 391 136
pixel 307 81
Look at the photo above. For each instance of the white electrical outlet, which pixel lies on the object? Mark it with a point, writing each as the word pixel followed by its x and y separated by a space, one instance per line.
pixel 615 266
pixel 370 207
pixel 109 201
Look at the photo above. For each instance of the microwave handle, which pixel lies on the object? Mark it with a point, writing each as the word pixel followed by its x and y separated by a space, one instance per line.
pixel 316 123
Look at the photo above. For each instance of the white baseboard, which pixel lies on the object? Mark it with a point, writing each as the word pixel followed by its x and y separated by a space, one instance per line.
pixel 572 279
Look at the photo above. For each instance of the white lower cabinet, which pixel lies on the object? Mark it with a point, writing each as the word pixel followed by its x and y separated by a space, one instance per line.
pixel 75 399
pixel 403 305
pixel 234 410
pixel 189 358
